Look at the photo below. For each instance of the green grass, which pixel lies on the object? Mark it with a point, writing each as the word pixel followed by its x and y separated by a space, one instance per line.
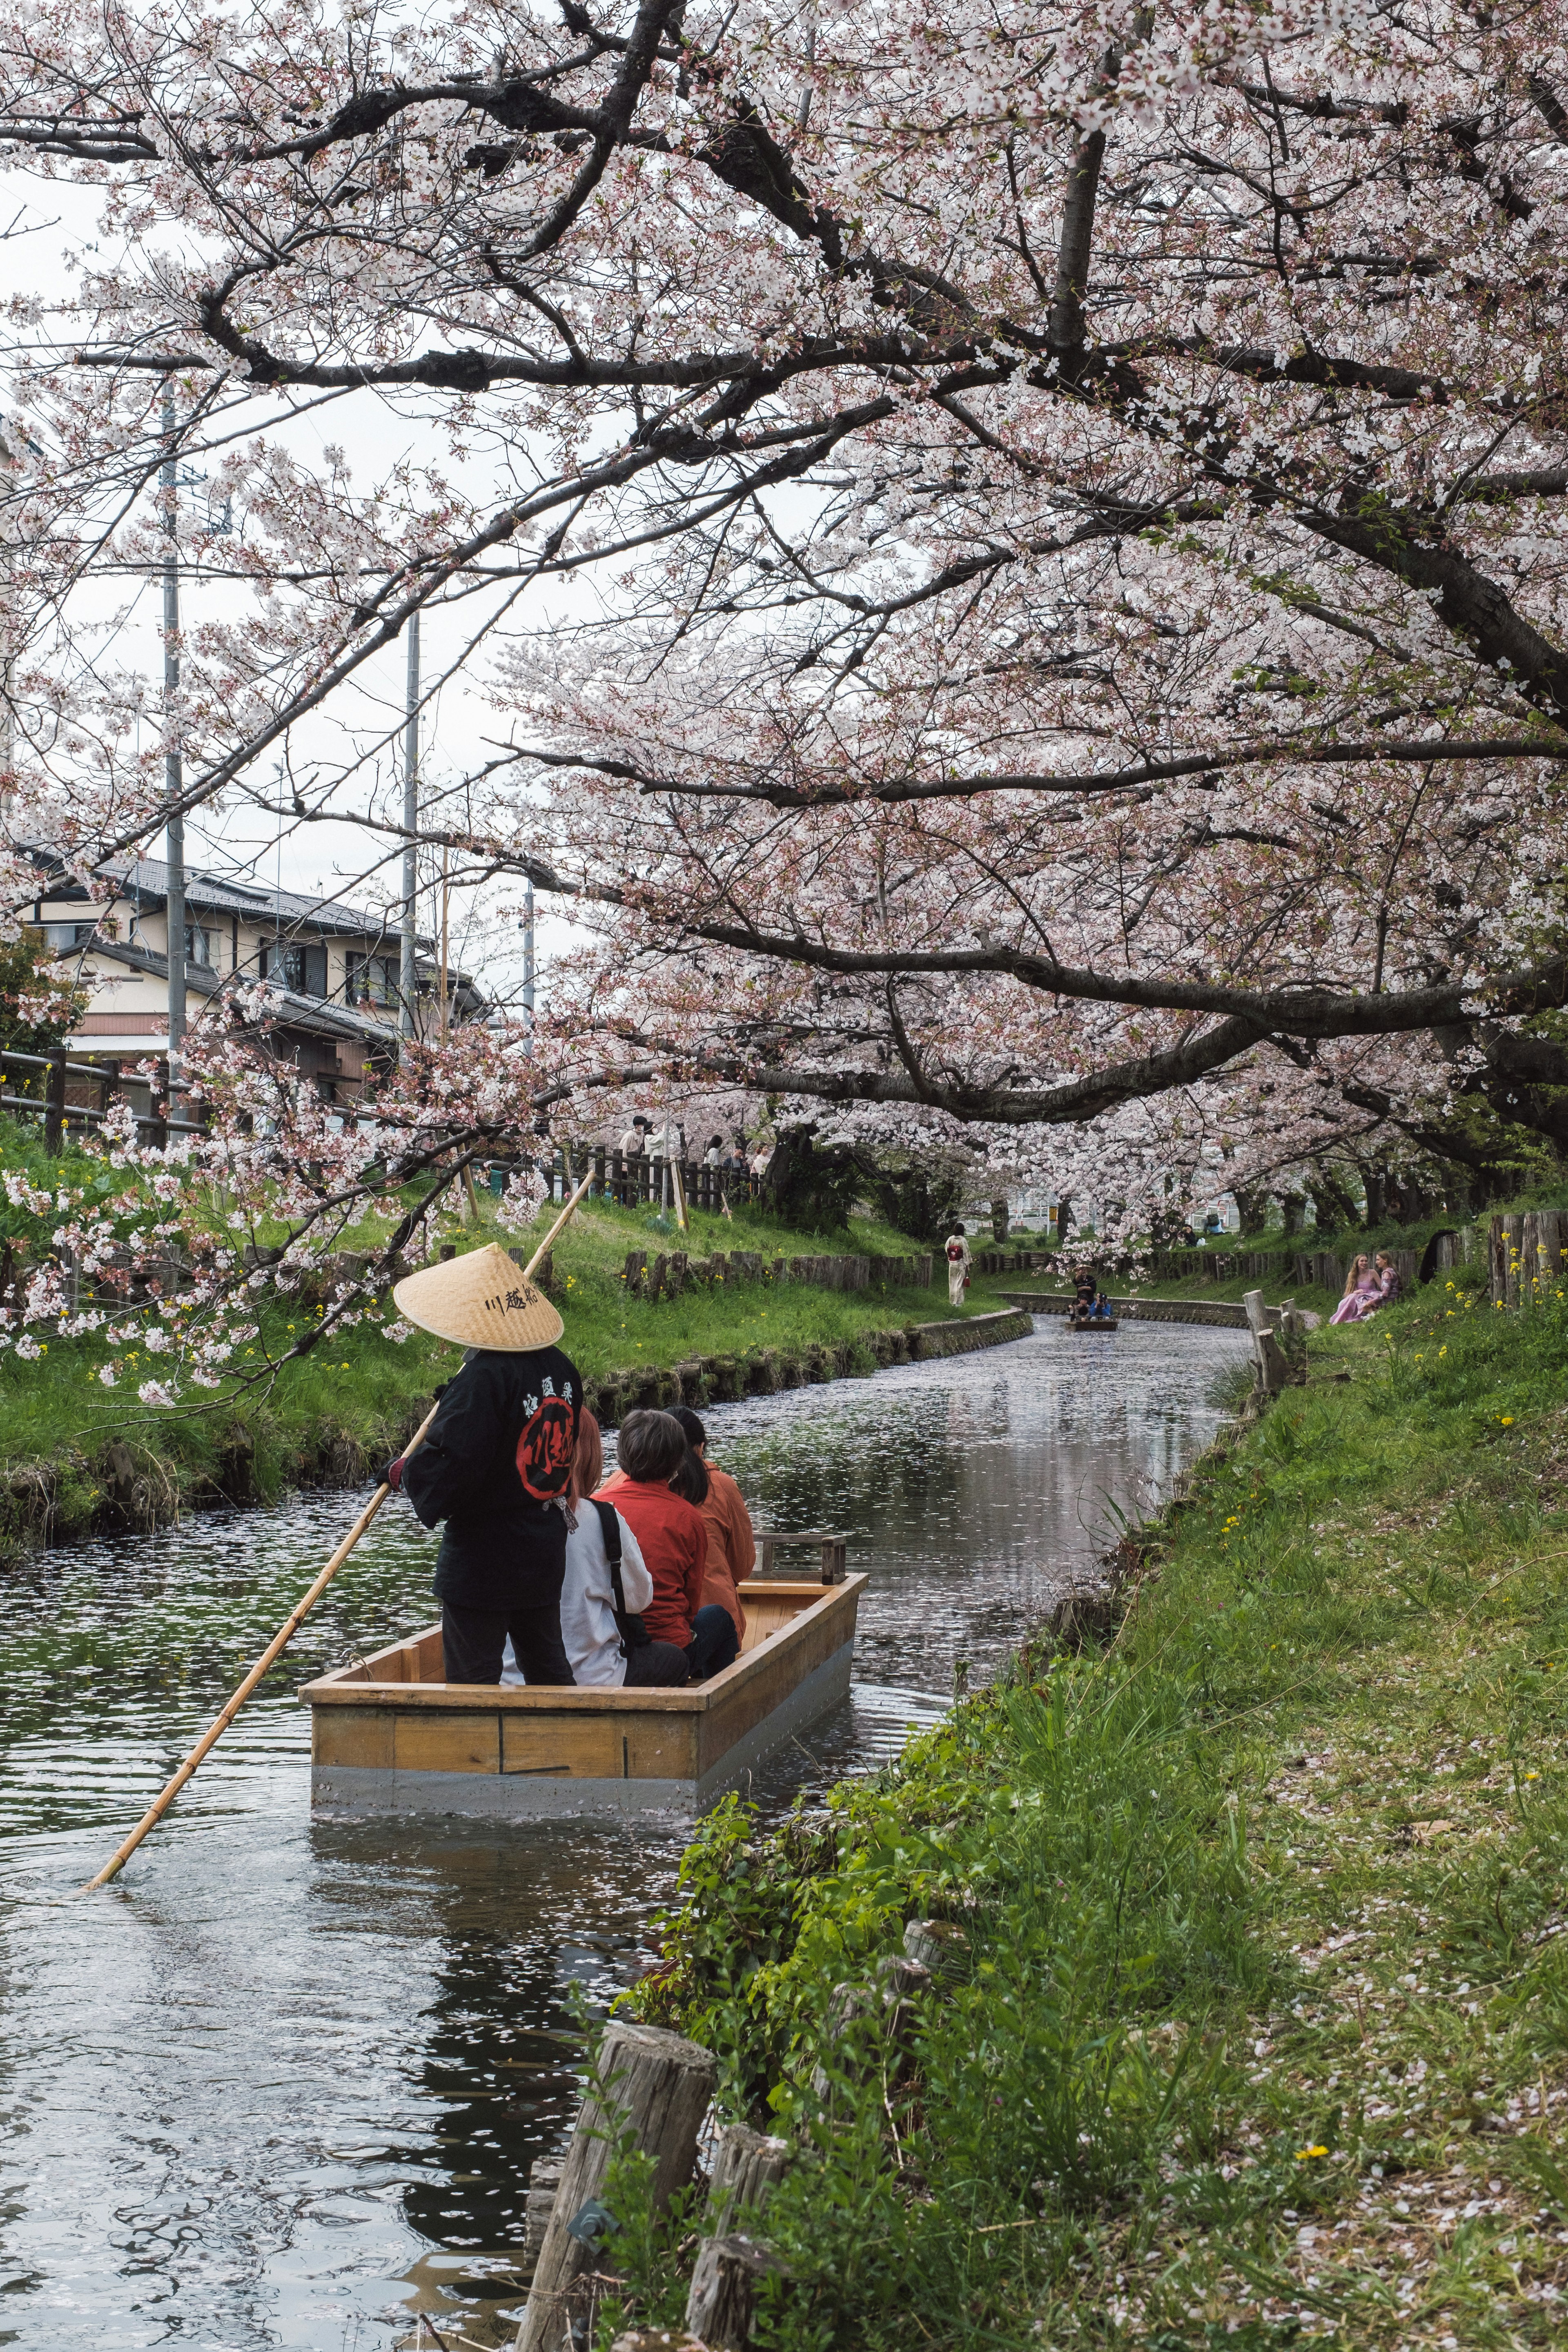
pixel 1265 2034
pixel 606 1331
pixel 337 1414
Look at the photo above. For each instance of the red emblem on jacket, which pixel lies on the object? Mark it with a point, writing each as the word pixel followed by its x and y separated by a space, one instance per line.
pixel 546 1448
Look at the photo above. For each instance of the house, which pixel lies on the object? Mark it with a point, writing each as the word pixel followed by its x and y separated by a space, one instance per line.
pixel 335 967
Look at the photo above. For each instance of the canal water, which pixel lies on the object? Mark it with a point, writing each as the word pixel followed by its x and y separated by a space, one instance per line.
pixel 282 2084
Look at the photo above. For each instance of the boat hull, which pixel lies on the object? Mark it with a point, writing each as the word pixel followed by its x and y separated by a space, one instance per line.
pixel 388 1737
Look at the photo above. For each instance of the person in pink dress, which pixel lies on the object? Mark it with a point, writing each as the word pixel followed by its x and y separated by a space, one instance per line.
pixel 1363 1293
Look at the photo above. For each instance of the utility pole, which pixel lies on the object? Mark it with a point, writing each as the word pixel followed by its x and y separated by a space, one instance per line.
pixel 408 974
pixel 173 767
pixel 445 946
pixel 7 714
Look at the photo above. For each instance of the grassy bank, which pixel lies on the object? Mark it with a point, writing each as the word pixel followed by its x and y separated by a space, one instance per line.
pixel 76 1457
pixel 1254 2026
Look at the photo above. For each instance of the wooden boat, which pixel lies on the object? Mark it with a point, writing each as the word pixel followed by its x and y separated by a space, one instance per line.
pixel 1106 1323
pixel 387 1735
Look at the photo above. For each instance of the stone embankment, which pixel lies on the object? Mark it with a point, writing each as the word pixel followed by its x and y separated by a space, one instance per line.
pixel 721 1379
pixel 119 1489
pixel 1227 1314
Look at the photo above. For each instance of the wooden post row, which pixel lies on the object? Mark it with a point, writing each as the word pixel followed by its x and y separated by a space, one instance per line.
pixel 654 2086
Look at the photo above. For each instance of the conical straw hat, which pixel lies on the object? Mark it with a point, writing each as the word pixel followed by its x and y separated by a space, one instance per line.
pixel 481 1300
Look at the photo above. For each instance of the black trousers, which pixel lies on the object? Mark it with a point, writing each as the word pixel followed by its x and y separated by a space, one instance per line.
pixel 714 1643
pixel 474 1640
pixel 658 1665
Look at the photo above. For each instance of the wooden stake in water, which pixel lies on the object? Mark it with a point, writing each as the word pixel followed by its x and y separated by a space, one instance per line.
pixel 286 1632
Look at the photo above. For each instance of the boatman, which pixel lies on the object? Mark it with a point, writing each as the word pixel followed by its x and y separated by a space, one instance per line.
pixel 496 1465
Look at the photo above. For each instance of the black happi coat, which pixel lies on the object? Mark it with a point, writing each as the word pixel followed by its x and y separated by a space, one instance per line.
pixel 499 1452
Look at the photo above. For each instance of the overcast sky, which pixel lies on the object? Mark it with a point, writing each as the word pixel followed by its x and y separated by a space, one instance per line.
pixel 44 221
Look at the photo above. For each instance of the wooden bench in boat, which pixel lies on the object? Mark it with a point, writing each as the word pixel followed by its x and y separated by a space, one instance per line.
pixel 387 1735
pixel 831 1541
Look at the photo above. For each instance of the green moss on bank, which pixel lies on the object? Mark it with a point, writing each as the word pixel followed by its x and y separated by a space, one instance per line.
pixel 1262 2029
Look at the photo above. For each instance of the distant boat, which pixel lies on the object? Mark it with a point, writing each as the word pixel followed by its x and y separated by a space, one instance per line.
pixel 388 1736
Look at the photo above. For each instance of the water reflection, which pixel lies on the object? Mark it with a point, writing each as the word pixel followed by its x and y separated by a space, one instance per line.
pixel 283 2081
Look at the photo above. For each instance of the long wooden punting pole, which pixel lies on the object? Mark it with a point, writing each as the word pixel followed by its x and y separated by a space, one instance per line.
pixel 297 1616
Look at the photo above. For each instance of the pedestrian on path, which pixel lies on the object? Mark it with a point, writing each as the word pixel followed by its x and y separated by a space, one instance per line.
pixel 957 1248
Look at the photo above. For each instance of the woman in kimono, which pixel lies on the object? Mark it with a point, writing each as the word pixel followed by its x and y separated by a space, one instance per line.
pixel 1362 1293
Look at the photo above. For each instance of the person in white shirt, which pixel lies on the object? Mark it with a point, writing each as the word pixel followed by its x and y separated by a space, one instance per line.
pixel 589 1631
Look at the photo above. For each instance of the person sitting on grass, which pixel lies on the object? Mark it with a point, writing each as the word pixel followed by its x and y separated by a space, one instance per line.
pixel 672 1539
pixel 1363 1293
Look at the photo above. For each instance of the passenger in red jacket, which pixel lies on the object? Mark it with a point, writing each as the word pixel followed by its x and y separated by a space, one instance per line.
pixel 673 1540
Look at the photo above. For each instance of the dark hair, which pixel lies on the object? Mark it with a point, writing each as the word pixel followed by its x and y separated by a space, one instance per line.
pixel 690 1423
pixel 690 1481
pixel 651 1446
pixel 958 1229
pixel 714 1140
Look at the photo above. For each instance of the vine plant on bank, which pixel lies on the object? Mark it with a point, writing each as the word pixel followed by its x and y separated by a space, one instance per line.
pixel 1028 585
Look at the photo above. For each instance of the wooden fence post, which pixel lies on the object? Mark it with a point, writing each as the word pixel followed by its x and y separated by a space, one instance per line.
pixel 1270 1363
pixel 55 1108
pixel 723 2297
pixel 747 2168
pixel 652 2087
pixel 538 2204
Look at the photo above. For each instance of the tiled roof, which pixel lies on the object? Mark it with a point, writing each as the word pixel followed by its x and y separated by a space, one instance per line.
pixel 148 878
pixel 315 1013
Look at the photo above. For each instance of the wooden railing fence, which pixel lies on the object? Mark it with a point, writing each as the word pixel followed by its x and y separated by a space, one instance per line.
pixel 67 1094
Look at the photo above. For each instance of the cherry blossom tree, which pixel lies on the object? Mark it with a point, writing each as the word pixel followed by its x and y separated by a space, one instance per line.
pixel 1015 552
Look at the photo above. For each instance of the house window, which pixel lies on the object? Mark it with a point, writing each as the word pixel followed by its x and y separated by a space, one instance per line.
pixel 201 945
pixel 61 938
pixel 296 965
pixel 373 977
